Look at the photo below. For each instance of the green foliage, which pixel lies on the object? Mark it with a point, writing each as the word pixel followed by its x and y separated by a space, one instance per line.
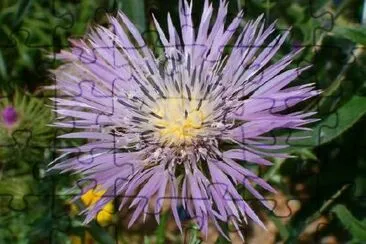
pixel 160 231
pixel 135 10
pixel 355 227
pixel 99 234
pixel 333 125
pixel 355 34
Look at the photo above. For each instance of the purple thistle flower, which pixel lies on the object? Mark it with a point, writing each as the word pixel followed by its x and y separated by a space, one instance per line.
pixel 9 116
pixel 156 127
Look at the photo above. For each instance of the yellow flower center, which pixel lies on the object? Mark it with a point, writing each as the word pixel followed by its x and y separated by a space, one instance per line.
pixel 181 120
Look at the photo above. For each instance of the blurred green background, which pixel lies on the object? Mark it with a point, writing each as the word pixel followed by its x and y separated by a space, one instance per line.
pixel 322 191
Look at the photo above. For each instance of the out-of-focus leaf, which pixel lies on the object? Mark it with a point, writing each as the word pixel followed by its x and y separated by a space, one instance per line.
pixel 354 226
pixel 42 229
pixel 284 232
pixel 160 231
pixel 17 188
pixel 296 12
pixel 333 125
pixel 318 5
pixel 83 17
pixel 23 8
pixel 192 234
pixel 147 240
pixel 360 187
pixel 99 234
pixel 2 66
pixel 307 154
pixel 355 34
pixel 135 10
pixel 222 240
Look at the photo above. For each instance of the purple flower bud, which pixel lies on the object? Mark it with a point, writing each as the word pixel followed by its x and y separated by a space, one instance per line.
pixel 9 115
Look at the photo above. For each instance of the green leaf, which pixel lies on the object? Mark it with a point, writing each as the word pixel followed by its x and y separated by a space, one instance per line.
pixel 147 240
pixel 3 73
pixel 354 226
pixel 333 125
pixel 355 34
pixel 99 234
pixel 23 8
pixel 135 10
pixel 318 6
pixel 160 231
pixel 17 188
pixel 192 234
pixel 83 17
pixel 284 232
pixel 222 240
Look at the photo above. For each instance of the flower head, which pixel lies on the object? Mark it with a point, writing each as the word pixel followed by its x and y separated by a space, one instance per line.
pixel 9 116
pixel 24 134
pixel 178 129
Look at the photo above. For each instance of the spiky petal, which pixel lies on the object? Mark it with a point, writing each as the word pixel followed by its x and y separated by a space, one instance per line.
pixel 156 126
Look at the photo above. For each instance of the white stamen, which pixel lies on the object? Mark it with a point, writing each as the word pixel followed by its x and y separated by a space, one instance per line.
pixel 130 94
pixel 202 150
pixel 183 153
pixel 157 153
pixel 219 125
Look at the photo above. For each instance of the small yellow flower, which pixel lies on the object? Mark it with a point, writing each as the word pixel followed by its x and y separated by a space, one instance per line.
pixel 105 215
pixel 103 218
pixel 91 197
